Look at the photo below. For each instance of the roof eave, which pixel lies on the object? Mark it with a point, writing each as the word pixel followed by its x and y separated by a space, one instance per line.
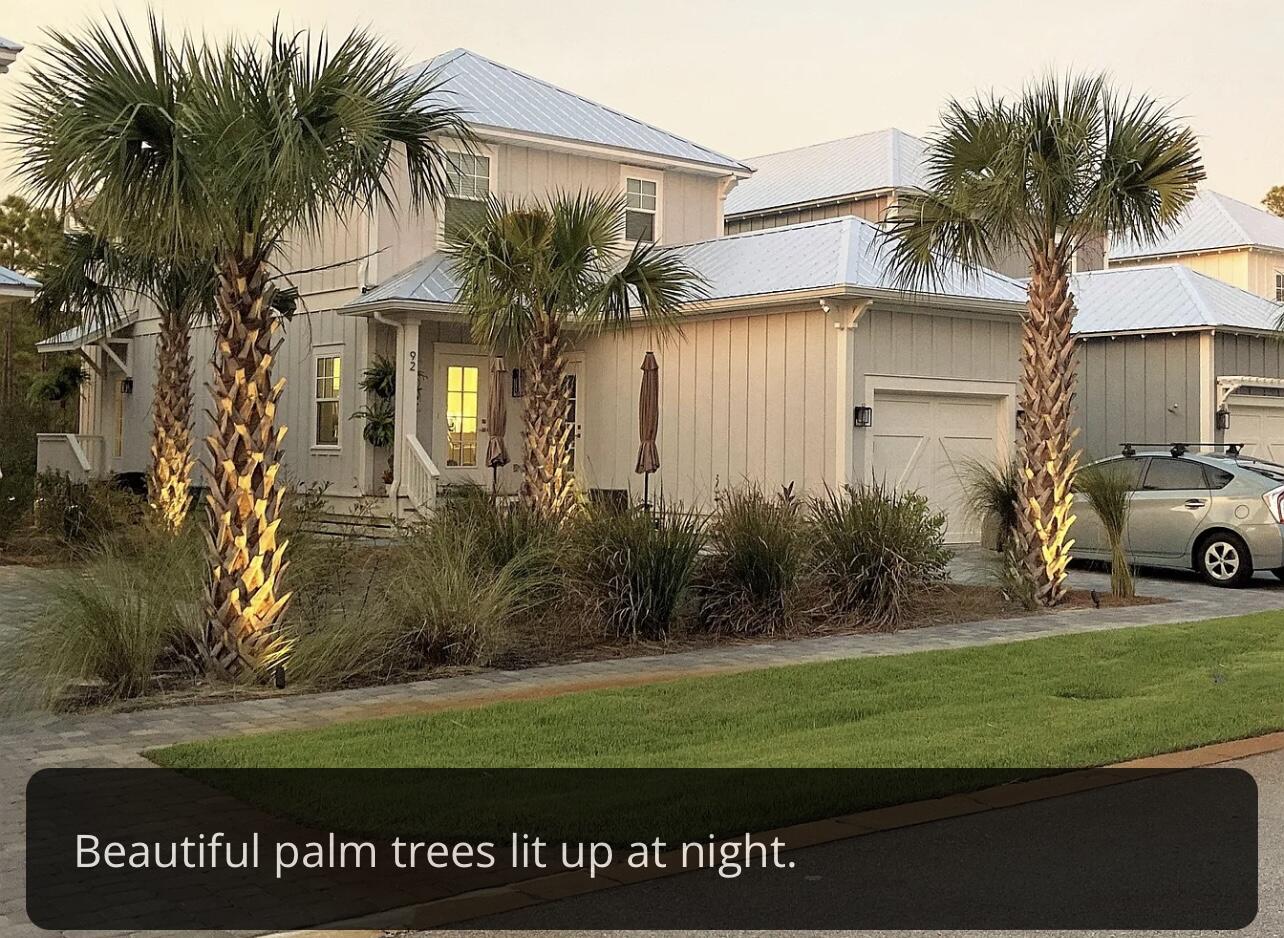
pixel 624 154
pixel 814 203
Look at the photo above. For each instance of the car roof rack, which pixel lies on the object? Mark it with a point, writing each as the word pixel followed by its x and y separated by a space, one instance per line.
pixel 1180 448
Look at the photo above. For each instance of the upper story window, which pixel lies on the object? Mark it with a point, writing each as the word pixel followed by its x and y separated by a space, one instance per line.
pixel 329 368
pixel 641 208
pixel 468 188
pixel 1279 286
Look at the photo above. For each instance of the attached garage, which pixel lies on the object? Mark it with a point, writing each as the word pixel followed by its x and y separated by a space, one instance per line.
pixel 1170 355
pixel 925 438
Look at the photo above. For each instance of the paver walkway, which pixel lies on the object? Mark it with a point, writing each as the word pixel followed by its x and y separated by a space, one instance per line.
pixel 31 742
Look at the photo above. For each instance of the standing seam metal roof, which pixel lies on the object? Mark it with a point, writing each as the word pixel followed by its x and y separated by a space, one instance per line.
pixel 837 252
pixel 882 159
pixel 1211 221
pixel 493 95
pixel 11 278
pixel 1165 296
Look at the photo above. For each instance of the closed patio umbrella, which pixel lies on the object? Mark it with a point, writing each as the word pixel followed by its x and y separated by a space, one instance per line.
pixel 497 419
pixel 648 424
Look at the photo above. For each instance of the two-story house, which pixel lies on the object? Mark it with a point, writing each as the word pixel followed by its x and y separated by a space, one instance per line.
pixel 805 365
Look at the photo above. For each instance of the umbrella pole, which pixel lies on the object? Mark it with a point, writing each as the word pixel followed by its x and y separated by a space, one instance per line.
pixel 646 490
pixel 494 481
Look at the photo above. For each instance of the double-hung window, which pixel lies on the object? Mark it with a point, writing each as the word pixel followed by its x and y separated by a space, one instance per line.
pixel 467 190
pixel 328 383
pixel 641 209
pixel 1279 286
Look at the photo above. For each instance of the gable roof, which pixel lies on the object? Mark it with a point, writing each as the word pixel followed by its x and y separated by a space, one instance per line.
pixel 12 282
pixel 839 253
pixel 10 45
pixel 495 96
pixel 1165 296
pixel 1211 221
pixel 883 159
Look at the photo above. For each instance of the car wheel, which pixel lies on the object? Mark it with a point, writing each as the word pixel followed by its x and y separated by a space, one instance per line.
pixel 1222 559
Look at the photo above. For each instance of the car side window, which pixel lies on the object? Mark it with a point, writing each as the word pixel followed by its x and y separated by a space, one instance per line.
pixel 1217 478
pixel 1173 475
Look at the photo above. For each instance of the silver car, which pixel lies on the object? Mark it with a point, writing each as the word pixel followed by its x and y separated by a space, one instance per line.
pixel 1221 515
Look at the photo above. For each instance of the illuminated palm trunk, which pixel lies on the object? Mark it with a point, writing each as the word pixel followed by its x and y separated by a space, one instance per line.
pixel 548 479
pixel 1048 455
pixel 244 602
pixel 169 478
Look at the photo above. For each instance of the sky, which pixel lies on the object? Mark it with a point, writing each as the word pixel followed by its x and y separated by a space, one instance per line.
pixel 755 77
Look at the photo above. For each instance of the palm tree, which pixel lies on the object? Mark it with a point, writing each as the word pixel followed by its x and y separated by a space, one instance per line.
pixel 1064 164
pixel 88 286
pixel 532 271
pixel 180 149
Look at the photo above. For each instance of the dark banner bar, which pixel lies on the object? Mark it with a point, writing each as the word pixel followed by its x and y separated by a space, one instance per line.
pixel 138 849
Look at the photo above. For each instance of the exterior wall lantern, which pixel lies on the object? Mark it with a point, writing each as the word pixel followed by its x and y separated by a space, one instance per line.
pixel 519 383
pixel 863 416
pixel 127 386
pixel 1222 418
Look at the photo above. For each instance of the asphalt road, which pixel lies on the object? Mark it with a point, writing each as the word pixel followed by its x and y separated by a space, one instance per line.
pixel 1267 770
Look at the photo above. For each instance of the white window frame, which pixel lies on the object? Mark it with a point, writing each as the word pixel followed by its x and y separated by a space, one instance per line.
pixel 1279 286
pixel 327 351
pixel 477 149
pixel 647 175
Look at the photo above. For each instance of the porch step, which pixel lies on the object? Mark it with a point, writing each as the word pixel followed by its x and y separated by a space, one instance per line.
pixel 366 526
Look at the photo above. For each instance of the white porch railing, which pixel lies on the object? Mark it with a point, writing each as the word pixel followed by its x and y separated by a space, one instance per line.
pixel 76 455
pixel 419 476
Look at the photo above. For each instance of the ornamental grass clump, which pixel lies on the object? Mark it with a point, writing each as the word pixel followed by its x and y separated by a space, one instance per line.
pixel 875 551
pixel 635 569
pixel 121 625
pixel 1108 492
pixel 991 492
pixel 750 575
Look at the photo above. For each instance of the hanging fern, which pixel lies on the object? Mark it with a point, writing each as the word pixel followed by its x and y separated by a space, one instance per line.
pixel 380 379
pixel 380 421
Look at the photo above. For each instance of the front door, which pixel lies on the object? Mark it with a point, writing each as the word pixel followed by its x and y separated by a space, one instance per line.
pixel 1165 514
pixel 461 399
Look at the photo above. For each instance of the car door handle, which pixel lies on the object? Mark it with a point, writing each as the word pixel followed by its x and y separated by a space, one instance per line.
pixel 1193 503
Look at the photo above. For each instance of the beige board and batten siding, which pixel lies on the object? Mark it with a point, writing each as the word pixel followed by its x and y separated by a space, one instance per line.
pixel 1138 388
pixel 1251 269
pixel 689 202
pixel 744 397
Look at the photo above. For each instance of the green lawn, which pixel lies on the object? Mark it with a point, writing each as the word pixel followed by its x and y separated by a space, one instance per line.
pixel 1056 702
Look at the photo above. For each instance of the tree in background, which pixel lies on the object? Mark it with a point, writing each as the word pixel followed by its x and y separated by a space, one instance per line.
pixel 30 239
pixel 231 150
pixel 1061 165
pixel 1274 200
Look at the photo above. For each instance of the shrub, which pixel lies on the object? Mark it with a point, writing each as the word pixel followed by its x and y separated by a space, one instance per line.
pixel 114 627
pixel 1108 491
pixel 506 529
pixel 749 577
pixel 875 550
pixel 453 591
pixel 992 493
pixel 636 571
pixel 80 513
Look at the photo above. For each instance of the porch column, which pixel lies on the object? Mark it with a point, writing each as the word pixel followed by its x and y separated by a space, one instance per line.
pixel 407 401
pixel 845 315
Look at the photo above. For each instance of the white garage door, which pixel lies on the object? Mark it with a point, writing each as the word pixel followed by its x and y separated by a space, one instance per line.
pixel 1258 422
pixel 923 441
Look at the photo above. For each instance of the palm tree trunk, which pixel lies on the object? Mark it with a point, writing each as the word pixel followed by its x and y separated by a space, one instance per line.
pixel 169 479
pixel 1048 456
pixel 548 481
pixel 243 603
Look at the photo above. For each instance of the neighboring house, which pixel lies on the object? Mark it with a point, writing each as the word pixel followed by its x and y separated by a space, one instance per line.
pixel 8 53
pixel 1221 237
pixel 14 284
pixel 803 337
pixel 862 175
pixel 1167 355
